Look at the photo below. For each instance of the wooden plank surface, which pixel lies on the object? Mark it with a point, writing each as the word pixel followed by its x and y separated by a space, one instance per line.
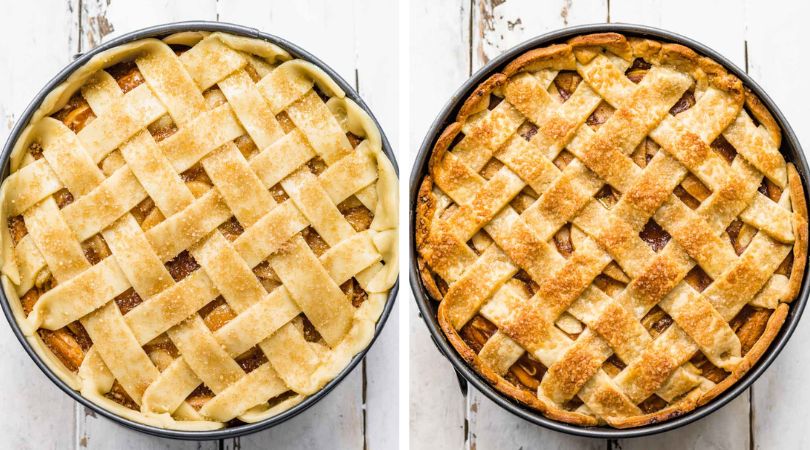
pixel 334 422
pixel 375 42
pixel 720 24
pixel 354 38
pixel 781 397
pixel 724 429
pixel 449 39
pixel 753 420
pixel 40 409
pixel 500 25
pixel 102 19
pixel 439 64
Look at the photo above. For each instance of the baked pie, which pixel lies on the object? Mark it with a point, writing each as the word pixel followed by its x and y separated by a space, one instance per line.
pixel 201 230
pixel 611 230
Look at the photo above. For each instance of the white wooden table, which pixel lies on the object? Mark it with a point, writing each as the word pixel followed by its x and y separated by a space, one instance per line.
pixel 37 38
pixel 453 38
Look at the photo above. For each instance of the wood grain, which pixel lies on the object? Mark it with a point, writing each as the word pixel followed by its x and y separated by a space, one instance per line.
pixel 39 409
pixel 448 40
pixel 781 397
pixel 439 64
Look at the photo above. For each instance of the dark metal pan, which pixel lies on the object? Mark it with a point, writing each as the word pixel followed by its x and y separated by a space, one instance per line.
pixel 160 31
pixel 427 307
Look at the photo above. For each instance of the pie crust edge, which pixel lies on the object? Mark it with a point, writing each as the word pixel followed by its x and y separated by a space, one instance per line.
pixel 684 59
pixel 384 224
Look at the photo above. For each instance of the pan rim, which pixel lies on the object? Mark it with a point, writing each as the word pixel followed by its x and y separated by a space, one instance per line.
pixel 163 30
pixel 468 375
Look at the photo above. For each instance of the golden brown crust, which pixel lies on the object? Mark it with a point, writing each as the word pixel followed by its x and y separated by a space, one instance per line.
pixel 479 99
pixel 671 412
pixel 799 204
pixel 442 144
pixel 775 323
pixel 500 383
pixel 763 116
pixel 581 50
pixel 586 46
pixel 558 56
pixel 425 209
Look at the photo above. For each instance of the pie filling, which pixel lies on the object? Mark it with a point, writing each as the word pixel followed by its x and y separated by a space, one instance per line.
pixel 71 343
pixel 494 332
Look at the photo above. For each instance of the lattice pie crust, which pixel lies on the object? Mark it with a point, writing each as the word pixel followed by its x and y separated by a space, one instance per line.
pixel 200 230
pixel 611 230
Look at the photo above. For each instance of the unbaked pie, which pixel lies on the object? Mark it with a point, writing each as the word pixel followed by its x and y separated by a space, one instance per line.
pixel 611 230
pixel 201 230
